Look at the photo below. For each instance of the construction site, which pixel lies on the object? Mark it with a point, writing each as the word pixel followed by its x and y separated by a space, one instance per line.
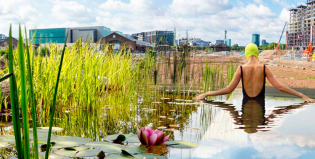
pixel 300 31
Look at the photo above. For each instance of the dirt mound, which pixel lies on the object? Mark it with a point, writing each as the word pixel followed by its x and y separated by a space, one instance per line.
pixel 271 53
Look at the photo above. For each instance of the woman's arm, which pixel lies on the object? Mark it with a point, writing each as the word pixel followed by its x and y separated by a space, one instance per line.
pixel 283 88
pixel 227 90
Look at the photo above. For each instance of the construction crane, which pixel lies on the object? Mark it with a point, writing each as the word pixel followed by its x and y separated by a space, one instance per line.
pixel 277 48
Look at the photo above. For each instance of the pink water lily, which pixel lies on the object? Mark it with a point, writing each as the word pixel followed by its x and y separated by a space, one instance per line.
pixel 150 137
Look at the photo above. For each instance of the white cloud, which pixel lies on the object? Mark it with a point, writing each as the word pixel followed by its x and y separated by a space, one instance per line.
pixel 139 7
pixel 260 11
pixel 206 19
pixel 72 12
pixel 200 7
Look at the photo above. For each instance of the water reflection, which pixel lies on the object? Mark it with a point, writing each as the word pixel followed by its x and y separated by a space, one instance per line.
pixel 252 117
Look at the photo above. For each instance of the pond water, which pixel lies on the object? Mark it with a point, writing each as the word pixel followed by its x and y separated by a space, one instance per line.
pixel 222 127
pixel 287 132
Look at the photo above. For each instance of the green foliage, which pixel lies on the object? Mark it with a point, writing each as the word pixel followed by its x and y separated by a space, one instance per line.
pixel 43 51
pixel 272 46
pixel 235 47
pixel 4 52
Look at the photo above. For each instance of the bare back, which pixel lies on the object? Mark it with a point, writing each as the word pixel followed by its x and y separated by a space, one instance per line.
pixel 253 77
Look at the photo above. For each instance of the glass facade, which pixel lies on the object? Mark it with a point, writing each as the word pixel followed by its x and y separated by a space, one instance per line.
pixel 256 39
pixel 264 42
pixel 56 35
pixel 228 42
pixel 165 38
pixel 106 32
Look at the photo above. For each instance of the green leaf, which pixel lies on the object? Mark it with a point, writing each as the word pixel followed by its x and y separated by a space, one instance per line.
pixel 7 138
pixel 46 129
pixel 115 148
pixel 130 138
pixel 120 138
pixel 65 153
pixel 4 144
pixel 126 153
pixel 65 141
pixel 181 144
pixel 149 156
pixel 138 156
pixel 70 149
pixel 88 153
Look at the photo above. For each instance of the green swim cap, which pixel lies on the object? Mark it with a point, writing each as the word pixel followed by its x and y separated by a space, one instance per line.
pixel 251 50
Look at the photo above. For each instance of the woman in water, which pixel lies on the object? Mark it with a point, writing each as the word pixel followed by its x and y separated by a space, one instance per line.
pixel 253 77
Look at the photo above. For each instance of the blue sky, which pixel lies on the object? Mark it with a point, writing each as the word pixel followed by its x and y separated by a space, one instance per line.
pixel 206 19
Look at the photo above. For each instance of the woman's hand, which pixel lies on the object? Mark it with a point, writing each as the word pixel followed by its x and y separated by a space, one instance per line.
pixel 200 97
pixel 307 99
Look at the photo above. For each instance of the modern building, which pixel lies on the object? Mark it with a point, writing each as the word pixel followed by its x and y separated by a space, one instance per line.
pixel 58 35
pixel 156 37
pixel 264 42
pixel 117 40
pixel 217 42
pixel 228 42
pixel 301 28
pixel 2 37
pixel 193 42
pixel 256 39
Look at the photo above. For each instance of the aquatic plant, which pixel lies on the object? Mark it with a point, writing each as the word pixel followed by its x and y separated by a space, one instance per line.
pixel 150 137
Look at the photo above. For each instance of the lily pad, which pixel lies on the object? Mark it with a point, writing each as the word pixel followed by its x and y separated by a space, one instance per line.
pixel 88 153
pixel 181 144
pixel 7 138
pixel 130 138
pixel 4 144
pixel 148 156
pixel 46 129
pixel 138 156
pixel 65 153
pixel 65 141
pixel 120 139
pixel 116 148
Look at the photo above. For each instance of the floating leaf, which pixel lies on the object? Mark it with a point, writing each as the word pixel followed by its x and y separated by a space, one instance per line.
pixel 126 153
pixel 65 141
pixel 120 138
pixel 44 130
pixel 65 153
pixel 148 156
pixel 4 144
pixel 130 138
pixel 138 156
pixel 88 153
pixel 181 144
pixel 70 149
pixel 118 156
pixel 101 155
pixel 7 138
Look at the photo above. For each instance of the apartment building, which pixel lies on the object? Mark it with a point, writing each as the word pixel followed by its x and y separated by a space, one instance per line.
pixel 301 28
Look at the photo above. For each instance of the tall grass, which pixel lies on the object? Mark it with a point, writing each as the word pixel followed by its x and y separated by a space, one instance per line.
pixel 99 92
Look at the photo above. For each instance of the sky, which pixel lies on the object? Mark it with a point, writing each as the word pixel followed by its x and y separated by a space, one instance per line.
pixel 205 19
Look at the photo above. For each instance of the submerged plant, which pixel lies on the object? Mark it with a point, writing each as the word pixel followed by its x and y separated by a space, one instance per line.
pixel 150 137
